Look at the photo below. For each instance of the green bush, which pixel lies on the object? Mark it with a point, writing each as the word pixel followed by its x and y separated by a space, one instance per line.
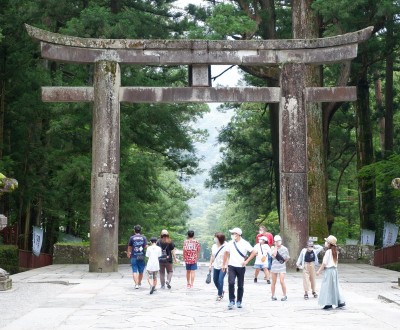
pixel 394 266
pixel 9 258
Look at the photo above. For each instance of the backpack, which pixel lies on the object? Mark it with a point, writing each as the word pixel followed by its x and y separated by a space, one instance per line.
pixel 164 255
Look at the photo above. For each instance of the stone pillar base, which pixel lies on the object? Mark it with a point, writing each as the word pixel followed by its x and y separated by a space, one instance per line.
pixel 6 284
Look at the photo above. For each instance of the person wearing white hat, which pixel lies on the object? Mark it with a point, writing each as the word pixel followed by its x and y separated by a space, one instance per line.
pixel 167 258
pixel 234 258
pixel 330 293
pixel 261 251
pixel 280 255
pixel 308 260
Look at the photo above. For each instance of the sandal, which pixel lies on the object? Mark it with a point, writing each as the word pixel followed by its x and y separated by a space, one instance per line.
pixel 306 296
pixel 315 295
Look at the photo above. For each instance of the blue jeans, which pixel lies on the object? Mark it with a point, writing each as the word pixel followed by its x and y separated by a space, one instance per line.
pixel 218 278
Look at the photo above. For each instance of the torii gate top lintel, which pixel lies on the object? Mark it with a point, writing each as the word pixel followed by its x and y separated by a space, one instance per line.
pixel 153 51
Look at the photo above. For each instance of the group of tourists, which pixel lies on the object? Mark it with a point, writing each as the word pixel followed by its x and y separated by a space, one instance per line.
pixel 231 257
pixel 161 255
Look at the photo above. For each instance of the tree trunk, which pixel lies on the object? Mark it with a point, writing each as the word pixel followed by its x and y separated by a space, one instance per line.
pixel 388 144
pixel 366 186
pixel 380 110
pixel 306 25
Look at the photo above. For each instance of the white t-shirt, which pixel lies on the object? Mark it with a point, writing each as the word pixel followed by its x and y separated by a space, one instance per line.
pixel 218 261
pixel 328 259
pixel 262 250
pixel 235 259
pixel 153 253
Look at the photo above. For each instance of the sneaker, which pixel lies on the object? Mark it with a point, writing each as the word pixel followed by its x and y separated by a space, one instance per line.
pixel 139 286
pixel 341 305
pixel 168 285
pixel 255 280
pixel 136 286
pixel 162 286
pixel 239 304
pixel 231 305
pixel 268 282
pixel 273 298
pixel 284 298
pixel 327 307
pixel 153 288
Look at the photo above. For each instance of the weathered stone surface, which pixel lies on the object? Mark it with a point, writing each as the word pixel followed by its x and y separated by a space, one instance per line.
pixel 230 45
pixel 104 210
pixel 5 281
pixel 199 94
pixel 79 254
pixel 331 94
pixel 6 284
pixel 67 94
pixel 293 133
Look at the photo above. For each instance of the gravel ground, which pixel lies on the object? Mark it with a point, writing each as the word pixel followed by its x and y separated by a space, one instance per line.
pixel 24 297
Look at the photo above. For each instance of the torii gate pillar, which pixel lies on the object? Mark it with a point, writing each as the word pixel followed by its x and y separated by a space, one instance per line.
pixel 293 155
pixel 104 210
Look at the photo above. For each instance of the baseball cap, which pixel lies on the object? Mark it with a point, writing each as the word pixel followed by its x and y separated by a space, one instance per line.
pixel 277 238
pixel 236 230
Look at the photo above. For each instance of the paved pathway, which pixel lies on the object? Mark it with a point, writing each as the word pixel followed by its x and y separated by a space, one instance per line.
pixel 69 297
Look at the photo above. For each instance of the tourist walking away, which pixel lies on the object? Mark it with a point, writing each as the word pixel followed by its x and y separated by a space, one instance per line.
pixel 261 251
pixel 280 255
pixel 234 258
pixel 307 261
pixel 153 252
pixel 330 294
pixel 191 252
pixel 216 261
pixel 136 246
pixel 167 257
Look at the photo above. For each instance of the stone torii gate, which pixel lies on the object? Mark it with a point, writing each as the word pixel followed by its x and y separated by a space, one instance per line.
pixel 107 93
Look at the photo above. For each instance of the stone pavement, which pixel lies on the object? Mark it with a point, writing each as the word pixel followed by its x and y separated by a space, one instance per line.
pixel 68 297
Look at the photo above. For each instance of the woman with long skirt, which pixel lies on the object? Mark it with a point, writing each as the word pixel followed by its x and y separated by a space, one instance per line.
pixel 330 293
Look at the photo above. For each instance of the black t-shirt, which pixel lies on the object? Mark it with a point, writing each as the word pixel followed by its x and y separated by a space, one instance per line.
pixel 168 247
pixel 309 257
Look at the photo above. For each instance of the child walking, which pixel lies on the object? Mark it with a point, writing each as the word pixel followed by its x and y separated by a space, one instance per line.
pixel 153 253
pixel 191 250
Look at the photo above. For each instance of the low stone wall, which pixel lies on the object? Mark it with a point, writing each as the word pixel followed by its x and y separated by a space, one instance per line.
pixel 79 254
pixel 357 254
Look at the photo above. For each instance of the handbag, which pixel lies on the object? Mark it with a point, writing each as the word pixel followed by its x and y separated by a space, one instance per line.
pixel 208 279
pixel 263 258
pixel 279 258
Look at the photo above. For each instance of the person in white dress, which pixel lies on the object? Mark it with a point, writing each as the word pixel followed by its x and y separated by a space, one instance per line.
pixel 330 293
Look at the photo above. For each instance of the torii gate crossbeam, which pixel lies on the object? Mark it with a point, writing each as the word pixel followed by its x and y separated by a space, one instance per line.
pixel 107 93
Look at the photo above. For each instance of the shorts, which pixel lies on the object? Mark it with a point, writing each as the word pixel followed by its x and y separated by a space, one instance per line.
pixel 137 265
pixel 152 274
pixel 191 266
pixel 260 266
